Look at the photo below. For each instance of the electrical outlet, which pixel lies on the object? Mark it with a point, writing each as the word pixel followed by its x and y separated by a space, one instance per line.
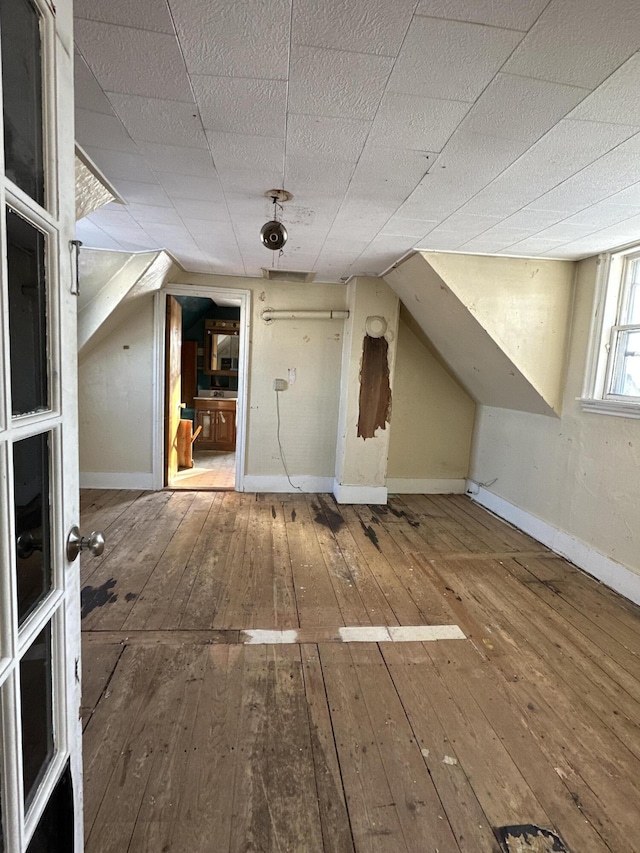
pixel 279 384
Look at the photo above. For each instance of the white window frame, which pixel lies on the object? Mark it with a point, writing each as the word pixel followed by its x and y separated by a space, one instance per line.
pixel 605 328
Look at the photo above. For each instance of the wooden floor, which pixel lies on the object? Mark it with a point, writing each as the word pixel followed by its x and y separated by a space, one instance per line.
pixel 197 742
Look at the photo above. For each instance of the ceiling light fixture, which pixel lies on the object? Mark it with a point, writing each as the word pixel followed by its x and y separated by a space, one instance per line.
pixel 273 233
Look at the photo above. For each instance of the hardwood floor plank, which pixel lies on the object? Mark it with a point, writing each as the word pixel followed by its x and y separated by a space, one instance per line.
pixel 461 665
pixel 98 665
pixel 108 730
pixel 372 808
pixel 315 596
pixel 122 578
pixel 162 582
pixel 275 804
pixel 194 732
pixel 336 828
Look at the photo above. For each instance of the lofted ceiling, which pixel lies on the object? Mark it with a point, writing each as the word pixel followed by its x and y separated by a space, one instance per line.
pixel 506 127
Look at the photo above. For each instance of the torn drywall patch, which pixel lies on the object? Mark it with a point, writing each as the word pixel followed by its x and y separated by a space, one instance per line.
pixel 375 391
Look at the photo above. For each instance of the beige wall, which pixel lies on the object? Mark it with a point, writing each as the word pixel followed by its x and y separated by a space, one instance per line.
pixel 524 304
pixel 578 473
pixel 116 388
pixel 432 420
pixel 115 396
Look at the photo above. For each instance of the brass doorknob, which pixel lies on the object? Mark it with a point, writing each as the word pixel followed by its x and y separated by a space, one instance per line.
pixel 76 543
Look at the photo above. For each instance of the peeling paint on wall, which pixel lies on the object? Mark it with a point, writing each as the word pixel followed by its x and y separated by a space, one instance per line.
pixel 375 391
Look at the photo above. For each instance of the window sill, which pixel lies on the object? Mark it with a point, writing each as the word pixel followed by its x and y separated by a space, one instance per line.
pixel 617 408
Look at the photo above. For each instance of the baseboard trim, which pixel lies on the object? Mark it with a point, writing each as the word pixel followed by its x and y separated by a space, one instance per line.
pixel 406 486
pixel 359 494
pixel 118 480
pixel 612 574
pixel 305 483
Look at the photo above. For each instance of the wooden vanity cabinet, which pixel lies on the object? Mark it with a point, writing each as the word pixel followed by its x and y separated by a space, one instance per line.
pixel 217 417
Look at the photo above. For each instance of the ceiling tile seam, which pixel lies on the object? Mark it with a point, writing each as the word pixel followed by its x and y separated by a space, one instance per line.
pixel 238 77
pixel 129 153
pixel 115 114
pixel 123 26
pixel 286 101
pixel 513 163
pixel 343 50
pixel 364 145
pixel 474 23
pixel 213 161
pixel 554 82
pixel 586 234
pixel 151 97
pixel 455 130
pixel 532 201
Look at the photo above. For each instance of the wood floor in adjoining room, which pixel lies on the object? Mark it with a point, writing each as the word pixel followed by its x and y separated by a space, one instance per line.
pixel 199 740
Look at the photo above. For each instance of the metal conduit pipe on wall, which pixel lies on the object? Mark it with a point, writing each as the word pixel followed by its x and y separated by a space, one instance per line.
pixel 268 315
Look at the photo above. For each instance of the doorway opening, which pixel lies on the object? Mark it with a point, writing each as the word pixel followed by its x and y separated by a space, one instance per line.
pixel 203 390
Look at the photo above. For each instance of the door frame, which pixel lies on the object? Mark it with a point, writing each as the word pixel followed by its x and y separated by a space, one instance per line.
pixel 241 296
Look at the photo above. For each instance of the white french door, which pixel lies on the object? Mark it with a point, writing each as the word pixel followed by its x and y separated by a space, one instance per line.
pixel 40 737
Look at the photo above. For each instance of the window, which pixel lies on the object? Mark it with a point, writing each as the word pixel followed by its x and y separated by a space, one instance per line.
pixel 612 383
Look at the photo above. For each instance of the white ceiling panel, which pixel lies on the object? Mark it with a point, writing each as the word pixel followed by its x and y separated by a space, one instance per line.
pixel 452 60
pixel 415 229
pixel 122 165
pixel 609 175
pixel 336 83
pixel 143 14
pixel 362 26
pixel 242 106
pixel 494 138
pixel 190 187
pixel 234 151
pixel 160 121
pixel 207 211
pixel 514 15
pixel 335 138
pixel 174 158
pixel 147 214
pixel 88 94
pixel 578 43
pixel 499 110
pixel 617 100
pixel 135 192
pixel 412 121
pixel 97 130
pixel 137 62
pixel 565 150
pixel 92 235
pixel 234 38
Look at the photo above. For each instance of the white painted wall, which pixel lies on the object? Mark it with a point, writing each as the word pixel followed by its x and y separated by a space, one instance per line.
pixel 578 473
pixel 432 423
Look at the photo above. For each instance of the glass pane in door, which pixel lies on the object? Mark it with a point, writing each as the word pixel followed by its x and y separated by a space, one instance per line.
pixel 33 521
pixel 27 315
pixel 22 96
pixel 54 833
pixel 36 712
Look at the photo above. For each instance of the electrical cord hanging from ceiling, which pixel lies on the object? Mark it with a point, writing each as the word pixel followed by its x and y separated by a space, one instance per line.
pixel 282 459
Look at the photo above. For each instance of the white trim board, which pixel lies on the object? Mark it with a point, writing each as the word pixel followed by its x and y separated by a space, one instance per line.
pixel 117 480
pixel 612 574
pixel 272 483
pixel 407 486
pixel 345 494
pixel 243 299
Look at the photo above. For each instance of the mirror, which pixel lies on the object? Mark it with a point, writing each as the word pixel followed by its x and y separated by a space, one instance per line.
pixel 221 352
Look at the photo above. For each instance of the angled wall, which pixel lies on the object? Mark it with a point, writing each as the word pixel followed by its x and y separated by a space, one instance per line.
pixel 499 324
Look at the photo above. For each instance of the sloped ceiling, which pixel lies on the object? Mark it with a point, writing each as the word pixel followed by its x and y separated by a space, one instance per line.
pixel 480 126
pixel 500 325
